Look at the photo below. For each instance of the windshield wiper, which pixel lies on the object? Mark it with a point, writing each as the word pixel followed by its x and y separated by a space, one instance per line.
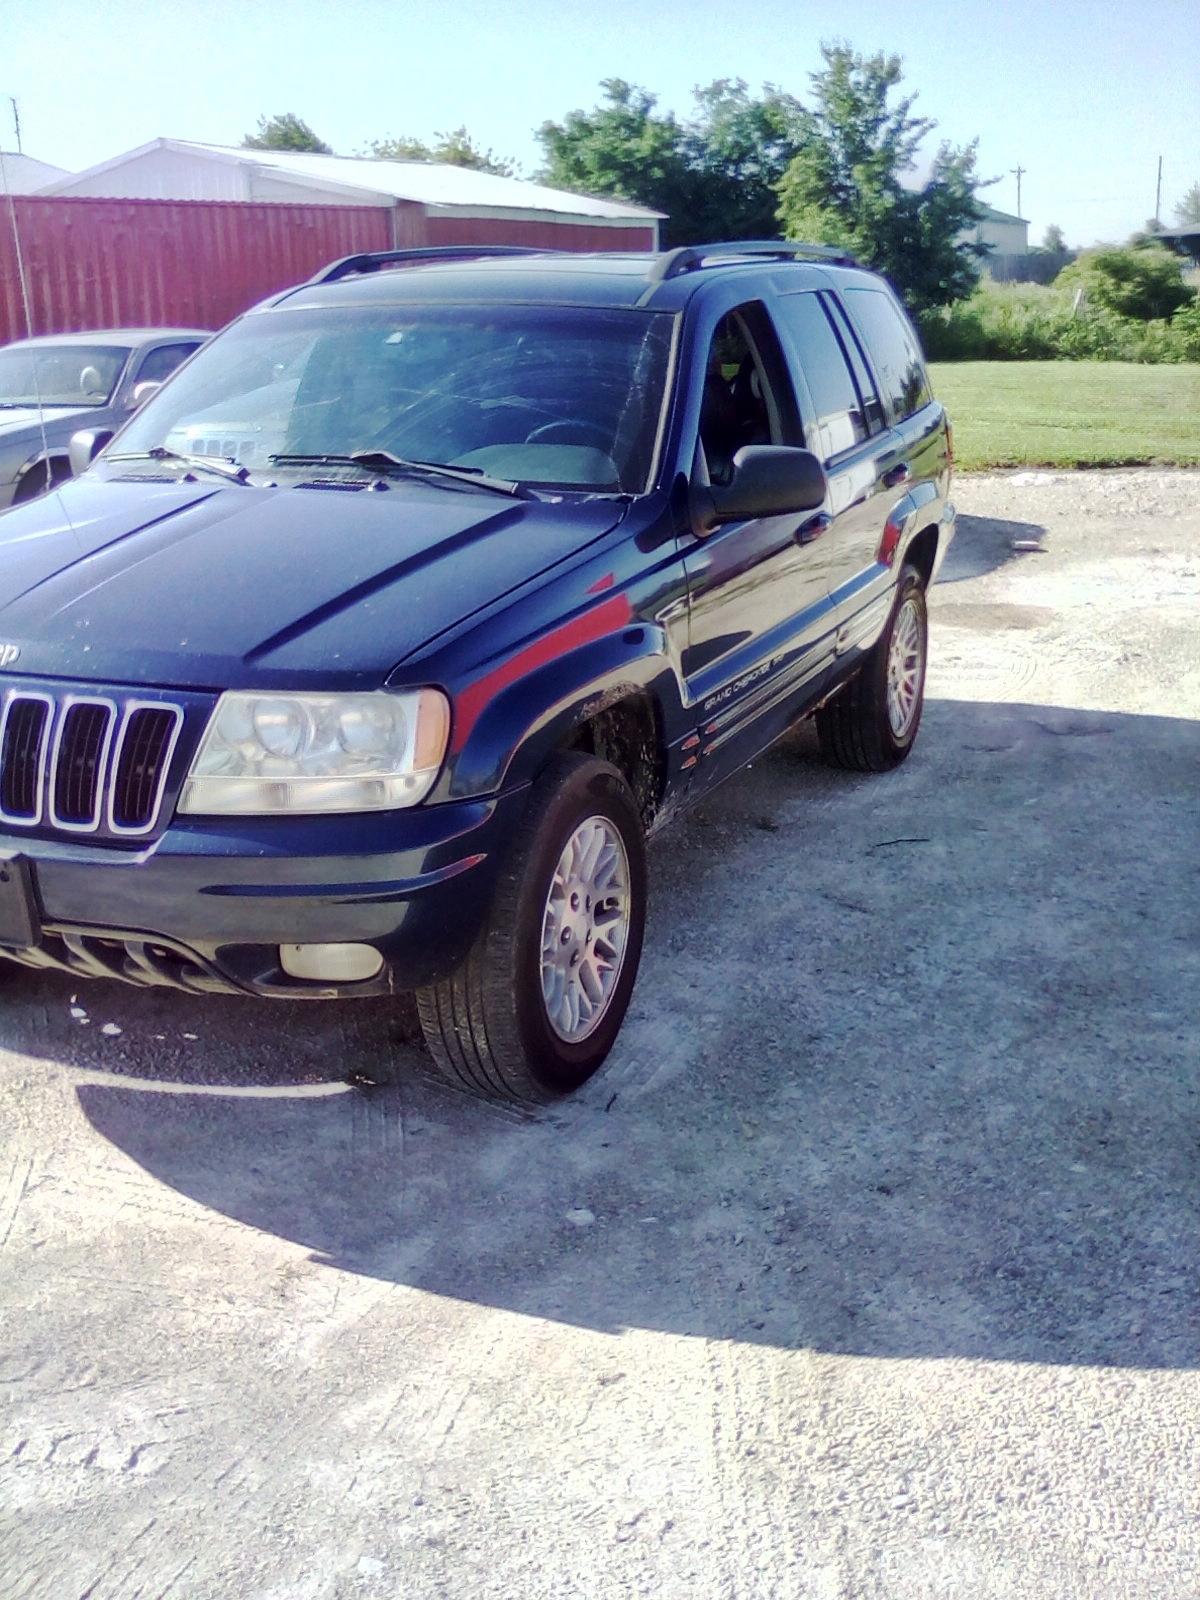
pixel 233 470
pixel 385 461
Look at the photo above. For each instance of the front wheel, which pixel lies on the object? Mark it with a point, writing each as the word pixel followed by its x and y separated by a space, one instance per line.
pixel 870 726
pixel 536 1006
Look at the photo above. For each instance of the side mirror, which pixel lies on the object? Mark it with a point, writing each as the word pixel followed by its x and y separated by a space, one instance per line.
pixel 85 446
pixel 143 391
pixel 769 480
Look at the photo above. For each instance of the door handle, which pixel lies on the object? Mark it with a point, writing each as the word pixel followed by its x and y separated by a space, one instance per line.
pixel 813 528
pixel 895 476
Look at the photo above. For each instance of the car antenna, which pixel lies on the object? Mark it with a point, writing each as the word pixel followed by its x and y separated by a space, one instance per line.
pixel 27 306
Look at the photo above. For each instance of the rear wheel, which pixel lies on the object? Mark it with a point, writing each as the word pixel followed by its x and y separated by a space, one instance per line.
pixel 872 724
pixel 536 1006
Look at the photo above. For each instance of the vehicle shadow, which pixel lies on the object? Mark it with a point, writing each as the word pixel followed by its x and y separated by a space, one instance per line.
pixel 984 544
pixel 911 1071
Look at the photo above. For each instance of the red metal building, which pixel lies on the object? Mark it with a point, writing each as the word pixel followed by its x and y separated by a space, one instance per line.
pixel 191 235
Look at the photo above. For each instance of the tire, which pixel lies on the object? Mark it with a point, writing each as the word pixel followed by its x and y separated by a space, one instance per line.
pixel 856 728
pixel 488 1026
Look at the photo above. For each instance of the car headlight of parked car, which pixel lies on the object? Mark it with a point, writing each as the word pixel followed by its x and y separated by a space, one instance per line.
pixel 306 753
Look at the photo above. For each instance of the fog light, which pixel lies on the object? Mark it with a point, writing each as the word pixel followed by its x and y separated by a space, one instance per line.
pixel 330 963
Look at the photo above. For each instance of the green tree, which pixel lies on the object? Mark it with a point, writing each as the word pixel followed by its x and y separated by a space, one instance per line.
pixel 1055 240
pixel 623 147
pixel 1143 282
pixel 739 146
pixel 1187 212
pixel 455 148
pixel 844 186
pixel 715 174
pixel 285 132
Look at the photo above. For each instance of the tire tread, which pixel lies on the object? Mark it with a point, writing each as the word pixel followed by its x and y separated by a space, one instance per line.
pixel 853 727
pixel 468 1018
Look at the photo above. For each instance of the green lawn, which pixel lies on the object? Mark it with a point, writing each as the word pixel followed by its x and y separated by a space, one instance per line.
pixel 1070 413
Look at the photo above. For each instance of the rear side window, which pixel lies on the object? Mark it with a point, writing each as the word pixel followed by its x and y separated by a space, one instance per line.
pixel 840 422
pixel 872 409
pixel 159 364
pixel 893 349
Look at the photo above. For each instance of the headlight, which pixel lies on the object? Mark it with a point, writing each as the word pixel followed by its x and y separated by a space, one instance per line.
pixel 303 753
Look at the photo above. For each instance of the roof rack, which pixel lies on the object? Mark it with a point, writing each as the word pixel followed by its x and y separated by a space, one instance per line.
pixel 373 260
pixel 691 257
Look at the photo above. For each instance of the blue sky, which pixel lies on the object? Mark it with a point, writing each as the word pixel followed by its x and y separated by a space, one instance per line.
pixel 1084 95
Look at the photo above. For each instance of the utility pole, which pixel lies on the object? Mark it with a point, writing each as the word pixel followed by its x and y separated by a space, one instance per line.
pixel 1018 173
pixel 17 121
pixel 1158 194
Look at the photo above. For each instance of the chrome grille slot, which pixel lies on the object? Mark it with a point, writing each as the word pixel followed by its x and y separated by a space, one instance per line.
pixel 85 763
pixel 24 736
pixel 81 745
pixel 141 764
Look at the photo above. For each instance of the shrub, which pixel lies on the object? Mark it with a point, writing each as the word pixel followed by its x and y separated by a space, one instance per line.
pixel 1145 283
pixel 1026 322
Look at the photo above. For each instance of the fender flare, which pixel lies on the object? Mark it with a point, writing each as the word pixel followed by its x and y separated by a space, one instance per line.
pixel 504 740
pixel 905 521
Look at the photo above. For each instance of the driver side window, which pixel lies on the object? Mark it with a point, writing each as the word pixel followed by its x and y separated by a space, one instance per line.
pixel 746 399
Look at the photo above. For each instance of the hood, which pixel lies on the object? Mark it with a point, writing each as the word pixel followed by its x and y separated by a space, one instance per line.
pixel 202 585
pixel 27 419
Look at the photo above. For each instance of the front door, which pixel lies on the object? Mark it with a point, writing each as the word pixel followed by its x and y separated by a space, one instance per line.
pixel 761 624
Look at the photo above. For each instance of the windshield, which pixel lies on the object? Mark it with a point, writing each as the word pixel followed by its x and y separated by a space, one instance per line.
pixel 568 397
pixel 60 374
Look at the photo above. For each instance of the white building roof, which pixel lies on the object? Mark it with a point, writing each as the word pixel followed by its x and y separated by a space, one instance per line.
pixel 425 182
pixel 23 175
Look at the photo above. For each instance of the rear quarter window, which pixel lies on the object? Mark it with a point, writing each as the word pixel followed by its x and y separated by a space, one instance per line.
pixel 893 349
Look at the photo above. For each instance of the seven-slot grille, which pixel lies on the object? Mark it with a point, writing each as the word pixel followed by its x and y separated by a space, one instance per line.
pixel 85 762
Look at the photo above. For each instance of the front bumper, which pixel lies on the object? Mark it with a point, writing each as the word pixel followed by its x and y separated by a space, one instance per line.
pixel 207 906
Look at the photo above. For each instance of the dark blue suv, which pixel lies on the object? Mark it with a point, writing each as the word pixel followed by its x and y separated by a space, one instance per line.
pixel 368 654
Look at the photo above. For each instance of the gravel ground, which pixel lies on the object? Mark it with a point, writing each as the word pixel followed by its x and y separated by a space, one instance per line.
pixel 867 1268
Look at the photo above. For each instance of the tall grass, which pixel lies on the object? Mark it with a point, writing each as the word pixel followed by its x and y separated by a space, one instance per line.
pixel 1034 322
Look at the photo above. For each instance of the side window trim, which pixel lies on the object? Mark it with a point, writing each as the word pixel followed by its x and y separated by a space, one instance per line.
pixel 810 411
pixel 844 330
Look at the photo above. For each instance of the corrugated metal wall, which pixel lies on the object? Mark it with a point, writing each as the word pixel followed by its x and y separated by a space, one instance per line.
pixel 194 263
pixel 97 263
pixel 536 235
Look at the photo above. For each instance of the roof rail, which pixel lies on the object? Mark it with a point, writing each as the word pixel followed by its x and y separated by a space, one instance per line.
pixel 373 260
pixel 691 257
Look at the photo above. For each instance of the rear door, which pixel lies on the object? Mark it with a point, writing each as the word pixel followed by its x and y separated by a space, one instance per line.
pixel 909 462
pixel 761 627
pixel 846 425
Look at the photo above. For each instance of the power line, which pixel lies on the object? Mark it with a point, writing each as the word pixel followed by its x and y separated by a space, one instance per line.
pixel 1018 173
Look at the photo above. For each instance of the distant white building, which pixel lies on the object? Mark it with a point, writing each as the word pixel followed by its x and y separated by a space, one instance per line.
pixel 433 202
pixel 1005 234
pixel 21 174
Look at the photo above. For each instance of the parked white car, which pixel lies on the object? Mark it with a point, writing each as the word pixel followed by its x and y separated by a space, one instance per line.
pixel 52 386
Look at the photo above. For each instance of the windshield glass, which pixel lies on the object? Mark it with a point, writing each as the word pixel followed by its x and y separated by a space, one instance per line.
pixel 60 374
pixel 563 396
